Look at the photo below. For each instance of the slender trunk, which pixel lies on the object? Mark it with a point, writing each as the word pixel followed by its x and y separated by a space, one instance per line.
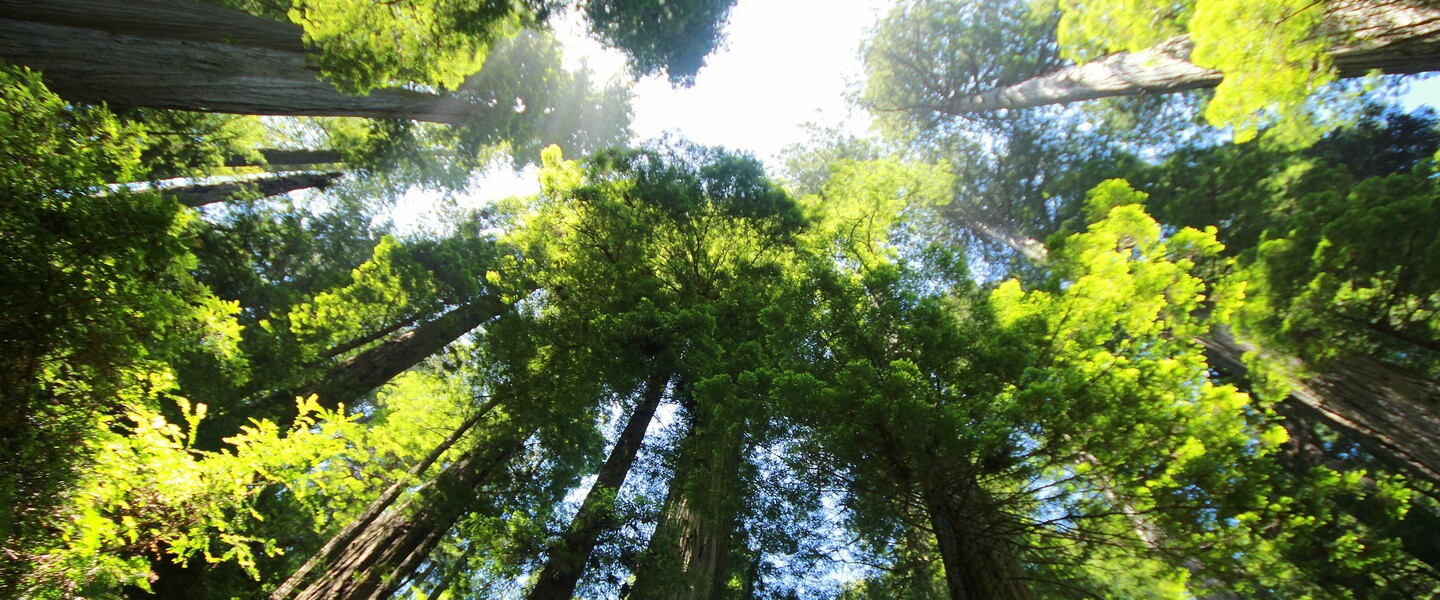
pixel 275 157
pixel 334 549
pixel 352 378
pixel 686 559
pixel 187 55
pixel 1395 36
pixel 373 336
pixel 201 195
pixel 382 555
pixel 974 543
pixel 566 564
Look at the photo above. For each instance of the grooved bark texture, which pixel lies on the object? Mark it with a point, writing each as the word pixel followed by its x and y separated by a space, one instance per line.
pixel 1395 36
pixel 276 157
pixel 187 55
pixel 686 559
pixel 1392 413
pixel 200 195
pixel 566 564
pixel 974 542
pixel 337 545
pixel 384 552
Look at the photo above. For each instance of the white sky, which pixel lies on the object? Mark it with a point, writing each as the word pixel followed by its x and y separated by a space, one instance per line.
pixel 785 63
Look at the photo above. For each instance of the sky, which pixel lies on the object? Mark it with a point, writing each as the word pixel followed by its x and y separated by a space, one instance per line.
pixel 785 63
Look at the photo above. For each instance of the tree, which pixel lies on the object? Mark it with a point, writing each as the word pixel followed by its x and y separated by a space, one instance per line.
pixel 199 195
pixel 1264 58
pixel 171 54
pixel 99 297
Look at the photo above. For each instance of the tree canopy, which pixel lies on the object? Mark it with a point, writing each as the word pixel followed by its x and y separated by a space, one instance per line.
pixel 1039 353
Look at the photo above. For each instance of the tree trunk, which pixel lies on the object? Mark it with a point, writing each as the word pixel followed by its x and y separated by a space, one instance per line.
pixel 566 564
pixel 187 55
pixel 1392 413
pixel 974 543
pixel 356 376
pixel 333 550
pixel 373 560
pixel 1394 36
pixel 686 559
pixel 275 157
pixel 201 195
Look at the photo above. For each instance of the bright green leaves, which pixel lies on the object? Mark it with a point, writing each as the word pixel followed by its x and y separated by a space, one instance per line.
pixel 150 492
pixel 864 204
pixel 366 45
pixel 1270 52
pixel 98 295
pixel 1271 57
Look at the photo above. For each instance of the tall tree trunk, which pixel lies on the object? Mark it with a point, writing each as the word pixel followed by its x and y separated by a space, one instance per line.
pixel 276 157
pixel 1395 36
pixel 188 55
pixel 686 559
pixel 201 195
pixel 1392 413
pixel 333 550
pixel 352 378
pixel 974 541
pixel 566 564
pixel 373 560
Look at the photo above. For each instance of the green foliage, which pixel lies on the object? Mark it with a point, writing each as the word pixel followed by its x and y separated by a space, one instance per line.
pixel 98 295
pixel 1271 52
pixel 150 494
pixel 366 45
pixel 656 35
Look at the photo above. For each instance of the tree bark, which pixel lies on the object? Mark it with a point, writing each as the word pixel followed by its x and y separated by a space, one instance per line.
pixel 201 195
pixel 1392 413
pixel 186 55
pixel 566 564
pixel 353 377
pixel 275 157
pixel 370 561
pixel 1394 36
pixel 686 558
pixel 974 543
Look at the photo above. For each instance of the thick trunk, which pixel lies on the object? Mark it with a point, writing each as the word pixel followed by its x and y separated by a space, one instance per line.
pixel 686 559
pixel 275 157
pixel 974 542
pixel 334 549
pixel 184 55
pixel 1394 36
pixel 376 558
pixel 566 564
pixel 201 195
pixel 1393 414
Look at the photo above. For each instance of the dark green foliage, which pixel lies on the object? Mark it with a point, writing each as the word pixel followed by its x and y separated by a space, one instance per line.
pixel 658 36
